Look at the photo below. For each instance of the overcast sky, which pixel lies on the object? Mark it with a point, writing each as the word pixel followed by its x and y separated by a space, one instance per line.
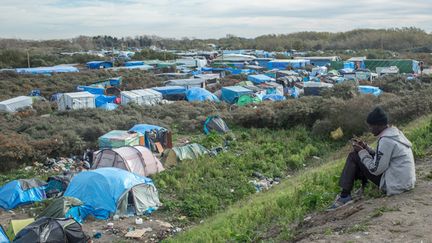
pixel 53 19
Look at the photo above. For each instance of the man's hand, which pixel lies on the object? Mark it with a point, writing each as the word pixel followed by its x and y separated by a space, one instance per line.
pixel 357 146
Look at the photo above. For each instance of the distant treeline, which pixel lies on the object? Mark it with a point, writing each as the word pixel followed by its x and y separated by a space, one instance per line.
pixel 368 42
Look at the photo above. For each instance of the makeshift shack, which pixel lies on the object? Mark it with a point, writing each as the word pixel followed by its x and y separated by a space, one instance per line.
pixel 172 92
pixel 154 136
pixel 141 97
pixel 171 157
pixel 21 192
pixel 136 159
pixel 260 78
pixel 119 138
pixel 315 88
pixel 230 94
pixel 16 104
pixel 283 64
pixel 91 89
pixel 187 83
pixel 52 230
pixel 109 191
pixel 76 100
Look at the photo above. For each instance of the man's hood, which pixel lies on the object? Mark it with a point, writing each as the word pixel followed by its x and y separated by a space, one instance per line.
pixel 396 135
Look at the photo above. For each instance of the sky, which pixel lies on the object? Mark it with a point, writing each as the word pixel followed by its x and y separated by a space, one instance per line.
pixel 59 19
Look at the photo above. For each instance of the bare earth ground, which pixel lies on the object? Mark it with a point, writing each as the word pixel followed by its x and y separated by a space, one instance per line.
pixel 401 218
pixel 159 228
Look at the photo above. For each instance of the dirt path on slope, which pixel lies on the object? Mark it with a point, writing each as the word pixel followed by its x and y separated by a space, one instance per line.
pixel 401 218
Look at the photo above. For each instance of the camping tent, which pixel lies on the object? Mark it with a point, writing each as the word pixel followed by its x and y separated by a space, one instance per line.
pixel 57 184
pixel 16 225
pixel 59 207
pixel 172 156
pixel 52 230
pixel 76 100
pixel 247 99
pixel 215 123
pixel 273 97
pixel 366 89
pixel 15 104
pixel 3 236
pixel 200 94
pixel 108 191
pixel 119 138
pixel 137 159
pixel 20 192
pixel 231 94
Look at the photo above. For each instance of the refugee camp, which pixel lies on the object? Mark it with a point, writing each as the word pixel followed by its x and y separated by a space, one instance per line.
pixel 215 121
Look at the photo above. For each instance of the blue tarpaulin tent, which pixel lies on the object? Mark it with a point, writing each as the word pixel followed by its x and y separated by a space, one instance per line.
pixel 273 97
pixel 231 93
pixel 48 70
pixel 259 78
pixel 366 89
pixel 103 192
pixel 104 99
pixel 200 94
pixel 91 90
pixel 99 64
pixel 143 129
pixel 20 192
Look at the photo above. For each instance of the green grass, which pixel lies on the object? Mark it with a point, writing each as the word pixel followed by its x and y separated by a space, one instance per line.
pixel 251 218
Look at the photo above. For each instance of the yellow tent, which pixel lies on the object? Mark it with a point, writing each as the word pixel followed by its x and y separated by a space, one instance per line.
pixel 16 225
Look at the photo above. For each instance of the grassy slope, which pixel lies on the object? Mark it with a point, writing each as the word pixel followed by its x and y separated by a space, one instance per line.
pixel 314 189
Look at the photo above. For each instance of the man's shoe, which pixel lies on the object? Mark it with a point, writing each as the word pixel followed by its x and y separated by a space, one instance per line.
pixel 340 202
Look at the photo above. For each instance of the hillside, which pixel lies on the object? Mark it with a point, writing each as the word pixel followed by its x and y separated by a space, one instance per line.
pixel 400 218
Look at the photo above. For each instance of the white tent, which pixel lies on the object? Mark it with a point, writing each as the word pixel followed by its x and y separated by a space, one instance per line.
pixel 14 104
pixel 76 100
pixel 141 97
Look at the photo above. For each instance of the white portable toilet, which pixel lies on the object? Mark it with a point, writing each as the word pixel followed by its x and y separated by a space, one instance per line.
pixel 76 101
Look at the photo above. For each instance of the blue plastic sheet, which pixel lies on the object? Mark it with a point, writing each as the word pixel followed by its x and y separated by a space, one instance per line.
pixel 170 90
pixel 12 195
pixel 259 78
pixel 108 106
pixel 366 89
pixel 48 70
pixel 3 237
pixel 100 191
pixel 91 90
pixel 200 94
pixel 273 97
pixel 104 99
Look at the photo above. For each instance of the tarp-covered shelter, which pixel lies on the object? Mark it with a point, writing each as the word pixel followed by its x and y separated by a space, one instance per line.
pixel 247 99
pixel 108 191
pixel 285 63
pixel 99 64
pixel 57 185
pixel 15 104
pixel 48 70
pixel 367 89
pixel 104 99
pixel 120 138
pixel 141 97
pixel 21 192
pixel 76 100
pixel 134 63
pixel 171 157
pixel 315 88
pixel 16 225
pixel 200 94
pixel 260 78
pixel 91 89
pixel 273 97
pixel 231 94
pixel 187 83
pixel 53 230
pixel 59 207
pixel 172 92
pixel 136 159
pixel 154 134
pixel 216 124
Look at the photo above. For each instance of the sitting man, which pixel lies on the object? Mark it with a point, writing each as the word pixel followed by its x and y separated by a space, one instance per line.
pixel 391 167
